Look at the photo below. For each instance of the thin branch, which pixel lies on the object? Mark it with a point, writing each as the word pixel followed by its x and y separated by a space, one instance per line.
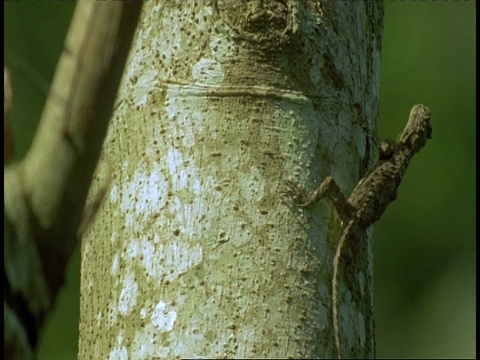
pixel 45 193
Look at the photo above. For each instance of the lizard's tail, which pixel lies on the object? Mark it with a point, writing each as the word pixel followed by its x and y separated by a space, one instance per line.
pixel 336 268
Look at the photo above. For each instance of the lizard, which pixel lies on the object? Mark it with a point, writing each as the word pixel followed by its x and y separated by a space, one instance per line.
pixel 373 193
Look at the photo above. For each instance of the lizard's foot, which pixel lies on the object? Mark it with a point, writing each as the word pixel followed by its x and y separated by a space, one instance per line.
pixel 294 191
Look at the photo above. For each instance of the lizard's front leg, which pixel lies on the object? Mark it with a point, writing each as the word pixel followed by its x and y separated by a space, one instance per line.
pixel 330 189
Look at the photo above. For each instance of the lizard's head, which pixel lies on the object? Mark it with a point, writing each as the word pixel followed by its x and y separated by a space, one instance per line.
pixel 418 129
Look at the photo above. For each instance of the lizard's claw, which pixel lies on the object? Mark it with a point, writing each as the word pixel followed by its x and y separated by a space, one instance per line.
pixel 294 191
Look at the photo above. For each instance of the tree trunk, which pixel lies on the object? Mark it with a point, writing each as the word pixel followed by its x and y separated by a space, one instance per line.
pixel 197 249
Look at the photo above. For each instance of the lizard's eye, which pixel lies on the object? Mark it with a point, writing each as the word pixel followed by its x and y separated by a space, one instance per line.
pixel 426 111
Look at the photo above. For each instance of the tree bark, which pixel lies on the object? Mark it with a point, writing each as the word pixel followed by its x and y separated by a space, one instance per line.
pixel 197 250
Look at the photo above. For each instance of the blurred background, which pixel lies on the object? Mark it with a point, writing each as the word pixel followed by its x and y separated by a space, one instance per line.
pixel 425 242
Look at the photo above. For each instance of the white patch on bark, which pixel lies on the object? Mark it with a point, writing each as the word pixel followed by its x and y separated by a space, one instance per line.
pixel 183 257
pixel 115 265
pixel 118 354
pixel 128 296
pixel 143 86
pixel 208 71
pixel 164 317
pixel 143 348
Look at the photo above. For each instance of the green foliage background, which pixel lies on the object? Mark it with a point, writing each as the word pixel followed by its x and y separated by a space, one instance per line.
pixel 424 244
